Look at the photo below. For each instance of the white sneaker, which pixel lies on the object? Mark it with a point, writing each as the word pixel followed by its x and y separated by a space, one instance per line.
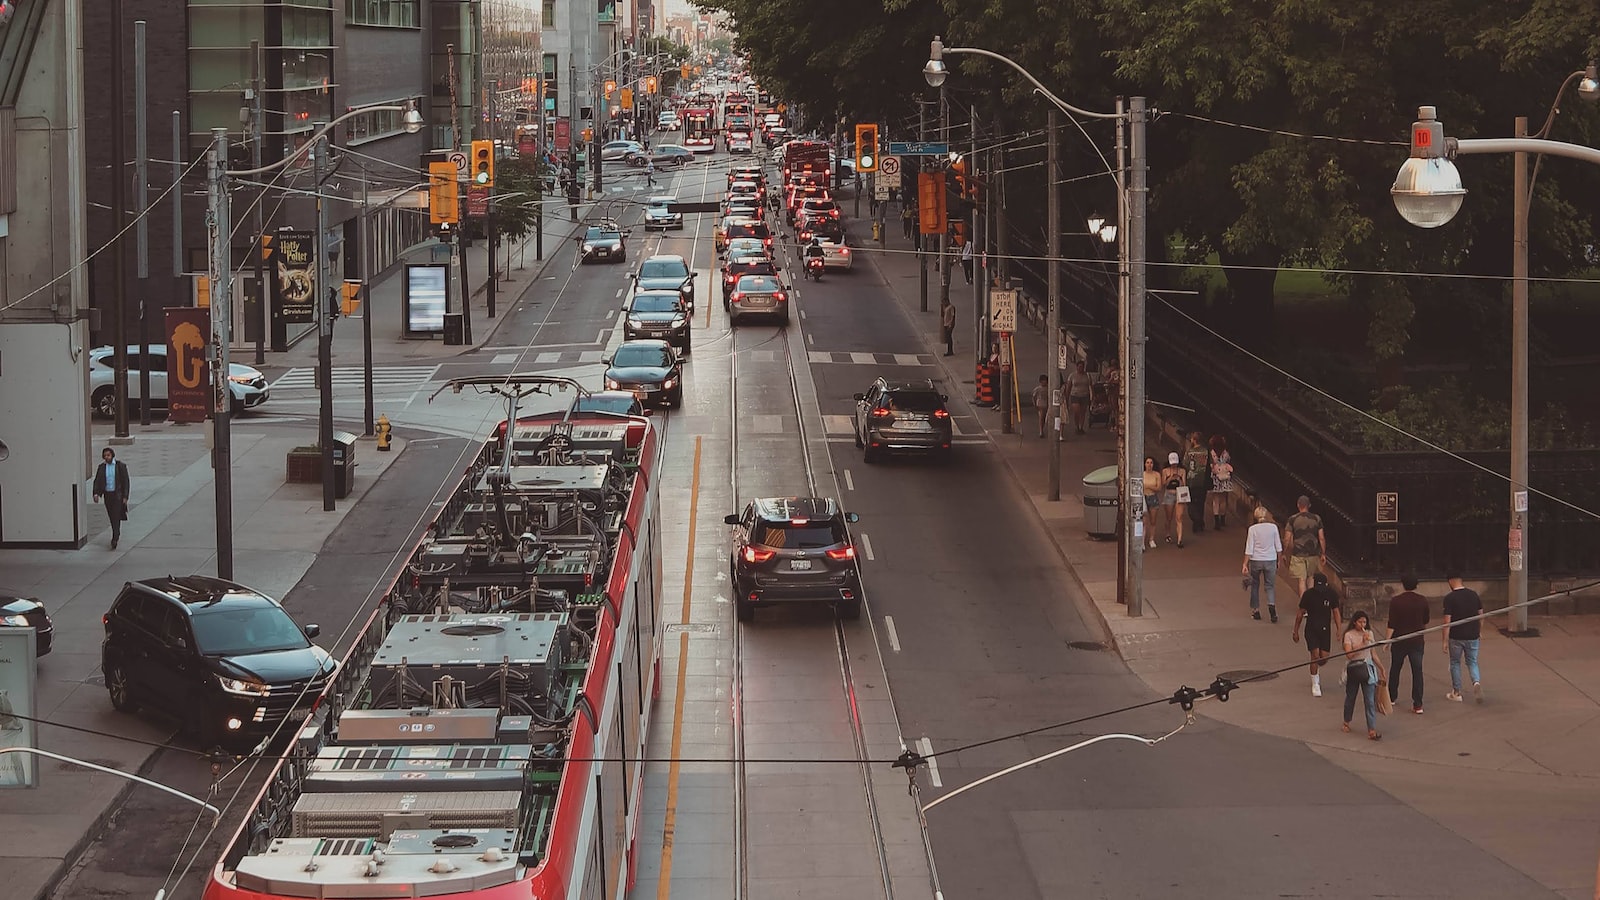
pixel 1453 696
pixel 1316 689
pixel 1152 545
pixel 1477 692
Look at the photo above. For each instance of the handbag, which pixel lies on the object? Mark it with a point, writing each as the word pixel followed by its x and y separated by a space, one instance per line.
pixel 1183 494
pixel 1385 705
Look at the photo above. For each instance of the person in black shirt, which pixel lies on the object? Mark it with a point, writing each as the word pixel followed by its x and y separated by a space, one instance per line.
pixel 1462 640
pixel 1319 611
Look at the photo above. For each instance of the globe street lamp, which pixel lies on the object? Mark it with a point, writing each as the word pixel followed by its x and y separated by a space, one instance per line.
pixel 1427 192
pixel 1131 198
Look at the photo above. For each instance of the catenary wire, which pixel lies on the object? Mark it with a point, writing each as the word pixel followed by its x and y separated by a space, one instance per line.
pixel 1294 134
pixel 106 734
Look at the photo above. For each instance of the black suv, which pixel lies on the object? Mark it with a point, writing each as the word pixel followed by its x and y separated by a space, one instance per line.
pixel 896 415
pixel 223 659
pixel 794 549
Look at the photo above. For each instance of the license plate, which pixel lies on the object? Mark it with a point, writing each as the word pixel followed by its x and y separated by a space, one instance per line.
pixel 800 565
pixel 656 332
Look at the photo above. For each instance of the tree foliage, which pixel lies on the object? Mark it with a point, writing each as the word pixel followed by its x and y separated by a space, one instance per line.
pixel 520 182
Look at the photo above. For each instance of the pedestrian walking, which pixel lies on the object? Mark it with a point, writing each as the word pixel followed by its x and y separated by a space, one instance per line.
pixel 1262 550
pixel 908 220
pixel 650 172
pixel 1461 640
pixel 1319 612
pixel 966 260
pixel 111 483
pixel 1151 478
pixel 1221 463
pixel 1362 674
pixel 1197 471
pixel 1408 614
pixel 1174 499
pixel 1076 386
pixel 947 320
pixel 1308 546
pixel 1041 401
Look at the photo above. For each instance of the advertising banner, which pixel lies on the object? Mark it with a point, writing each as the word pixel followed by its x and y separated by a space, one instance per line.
pixel 477 202
pixel 427 287
pixel 294 276
pixel 563 135
pixel 188 364
pixel 18 652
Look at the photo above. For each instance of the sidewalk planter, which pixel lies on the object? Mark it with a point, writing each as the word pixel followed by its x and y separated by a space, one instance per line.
pixel 303 465
pixel 1100 502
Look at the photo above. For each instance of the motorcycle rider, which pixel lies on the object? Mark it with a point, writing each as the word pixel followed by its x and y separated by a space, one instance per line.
pixel 814 256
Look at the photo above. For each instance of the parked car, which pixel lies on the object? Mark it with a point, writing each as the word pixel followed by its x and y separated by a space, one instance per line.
pixel 758 295
pixel 246 385
pixel 619 150
pixel 605 241
pixel 667 272
pixel 894 416
pixel 19 609
pixel 660 315
pixel 224 660
pixel 659 215
pixel 648 369
pixel 794 549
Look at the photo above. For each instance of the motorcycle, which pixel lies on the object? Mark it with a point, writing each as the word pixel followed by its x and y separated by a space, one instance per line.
pixel 814 268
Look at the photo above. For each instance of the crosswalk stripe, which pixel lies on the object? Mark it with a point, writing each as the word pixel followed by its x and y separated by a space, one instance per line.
pixel 548 356
pixel 824 357
pixel 590 356
pixel 387 376
pixel 838 424
pixel 763 356
pixel 820 356
pixel 907 359
pixel 864 359
pixel 503 359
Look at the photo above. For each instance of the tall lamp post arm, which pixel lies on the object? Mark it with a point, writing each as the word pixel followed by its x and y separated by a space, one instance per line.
pixel 412 121
pixel 1467 146
pixel 1048 95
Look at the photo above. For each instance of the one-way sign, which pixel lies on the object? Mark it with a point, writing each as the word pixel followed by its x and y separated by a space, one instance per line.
pixel 918 148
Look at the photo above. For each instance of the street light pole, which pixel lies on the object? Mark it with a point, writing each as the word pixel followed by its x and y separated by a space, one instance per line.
pixel 323 312
pixel 221 287
pixel 365 250
pixel 1052 317
pixel 1133 373
pixel 1518 537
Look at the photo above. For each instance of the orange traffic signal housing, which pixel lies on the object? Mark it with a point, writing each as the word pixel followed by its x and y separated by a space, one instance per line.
pixel 930 203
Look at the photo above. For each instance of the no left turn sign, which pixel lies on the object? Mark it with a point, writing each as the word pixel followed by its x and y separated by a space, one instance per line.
pixel 890 165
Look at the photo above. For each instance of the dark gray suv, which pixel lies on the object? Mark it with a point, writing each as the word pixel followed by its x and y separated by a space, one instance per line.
pixel 895 416
pixel 788 549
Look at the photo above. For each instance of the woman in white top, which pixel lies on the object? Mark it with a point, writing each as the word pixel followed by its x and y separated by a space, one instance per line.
pixel 1362 674
pixel 1262 549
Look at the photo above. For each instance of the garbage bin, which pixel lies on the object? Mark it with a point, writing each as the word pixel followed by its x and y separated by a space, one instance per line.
pixel 454 330
pixel 344 463
pixel 1100 502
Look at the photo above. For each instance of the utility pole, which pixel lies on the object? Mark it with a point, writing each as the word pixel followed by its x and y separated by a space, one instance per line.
pixel 221 278
pixel 574 192
pixel 1133 374
pixel 1052 316
pixel 542 149
pixel 457 250
pixel 119 220
pixel 319 150
pixel 1517 568
pixel 922 256
pixel 179 284
pixel 364 236
pixel 944 227
pixel 141 201
pixel 258 247
pixel 494 154
pixel 1001 240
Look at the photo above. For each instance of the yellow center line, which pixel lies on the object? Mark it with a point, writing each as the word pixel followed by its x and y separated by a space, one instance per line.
pixel 669 827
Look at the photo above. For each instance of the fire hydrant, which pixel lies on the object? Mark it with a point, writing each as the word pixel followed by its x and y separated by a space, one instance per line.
pixel 383 428
pixel 877 231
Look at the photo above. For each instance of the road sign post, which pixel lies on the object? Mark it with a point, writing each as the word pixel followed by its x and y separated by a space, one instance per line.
pixel 1003 310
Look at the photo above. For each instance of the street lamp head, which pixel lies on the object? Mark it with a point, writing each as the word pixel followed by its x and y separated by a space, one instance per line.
pixel 1096 222
pixel 1427 192
pixel 411 120
pixel 1589 84
pixel 1108 234
pixel 935 70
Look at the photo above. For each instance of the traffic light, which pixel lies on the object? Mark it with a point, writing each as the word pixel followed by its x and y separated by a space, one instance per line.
pixel 444 199
pixel 627 98
pixel 611 88
pixel 649 84
pixel 683 71
pixel 866 148
pixel 483 163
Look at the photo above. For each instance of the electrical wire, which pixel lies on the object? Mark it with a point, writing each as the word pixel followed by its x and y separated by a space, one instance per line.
pixel 1294 134
pixel 106 734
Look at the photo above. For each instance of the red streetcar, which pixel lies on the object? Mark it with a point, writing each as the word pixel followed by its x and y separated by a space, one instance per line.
pixel 482 736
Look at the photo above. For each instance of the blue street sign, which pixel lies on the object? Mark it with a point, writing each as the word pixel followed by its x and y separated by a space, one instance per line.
pixel 918 148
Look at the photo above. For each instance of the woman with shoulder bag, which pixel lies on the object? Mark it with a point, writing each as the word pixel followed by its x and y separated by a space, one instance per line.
pixel 1363 673
pixel 1174 498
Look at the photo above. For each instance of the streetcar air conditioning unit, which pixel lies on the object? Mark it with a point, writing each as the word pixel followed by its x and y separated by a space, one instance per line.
pixel 423 768
pixel 461 660
pixel 377 814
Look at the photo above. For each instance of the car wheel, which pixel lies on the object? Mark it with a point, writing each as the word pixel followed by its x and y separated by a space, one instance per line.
pixel 850 609
pixel 869 455
pixel 746 610
pixel 688 343
pixel 856 433
pixel 235 406
pixel 637 162
pixel 120 689
pixel 783 322
pixel 104 403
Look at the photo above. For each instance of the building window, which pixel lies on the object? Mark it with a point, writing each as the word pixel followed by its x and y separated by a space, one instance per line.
pixel 548 14
pixel 380 123
pixel 391 13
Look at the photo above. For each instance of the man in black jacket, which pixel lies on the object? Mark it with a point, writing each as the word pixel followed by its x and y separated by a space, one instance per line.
pixel 111 482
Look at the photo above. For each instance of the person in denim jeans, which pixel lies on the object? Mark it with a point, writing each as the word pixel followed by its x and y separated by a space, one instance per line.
pixel 1462 640
pixel 1408 615
pixel 1362 672
pixel 1262 549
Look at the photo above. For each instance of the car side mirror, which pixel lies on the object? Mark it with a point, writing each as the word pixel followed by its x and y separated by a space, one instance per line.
pixel 606 361
pixel 731 518
pixel 944 398
pixel 312 630
pixel 860 397
pixel 852 518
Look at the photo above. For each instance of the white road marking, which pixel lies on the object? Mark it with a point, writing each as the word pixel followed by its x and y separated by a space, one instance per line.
pixel 619 293
pixel 866 547
pixel 548 357
pixel 591 356
pixel 811 339
pixel 907 359
pixel 503 359
pixel 802 314
pixel 864 359
pixel 849 483
pixel 926 746
pixel 894 636
pixel 820 356
pixel 609 314
pixel 838 425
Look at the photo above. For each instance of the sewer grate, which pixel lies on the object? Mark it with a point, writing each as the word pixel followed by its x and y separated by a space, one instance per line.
pixel 1086 645
pixel 1238 676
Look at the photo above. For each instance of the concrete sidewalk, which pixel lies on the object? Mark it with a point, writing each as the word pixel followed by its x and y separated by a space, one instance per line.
pixel 1530 746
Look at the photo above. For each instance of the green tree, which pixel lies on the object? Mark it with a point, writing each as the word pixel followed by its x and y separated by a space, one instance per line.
pixel 520 182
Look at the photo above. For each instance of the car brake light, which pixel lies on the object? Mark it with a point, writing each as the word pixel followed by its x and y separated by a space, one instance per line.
pixel 737 296
pixel 753 555
pixel 941 414
pixel 799 521
pixel 844 251
pixel 780 296
pixel 841 553
pixel 880 412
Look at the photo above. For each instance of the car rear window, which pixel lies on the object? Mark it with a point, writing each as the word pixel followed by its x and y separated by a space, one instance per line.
pixel 664 268
pixel 752 230
pixel 789 536
pixel 758 284
pixel 915 401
